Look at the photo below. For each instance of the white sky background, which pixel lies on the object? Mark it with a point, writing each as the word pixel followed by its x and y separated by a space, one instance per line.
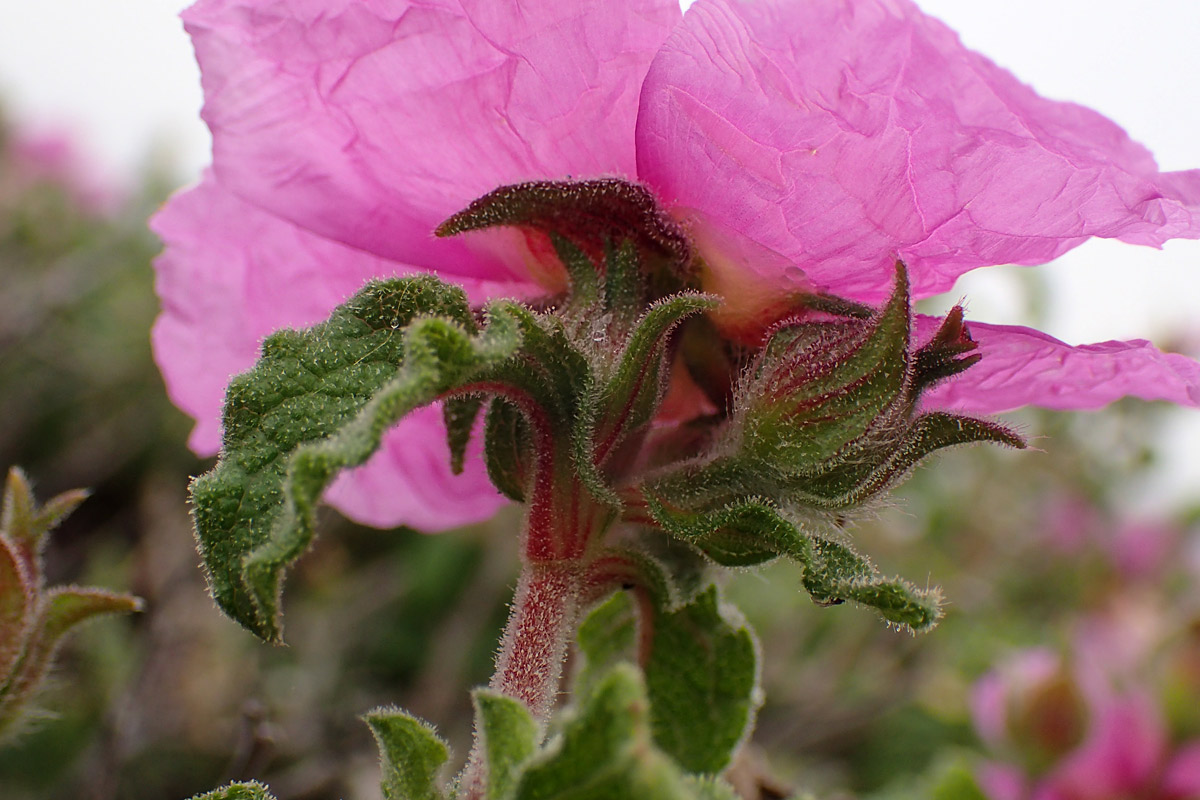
pixel 120 75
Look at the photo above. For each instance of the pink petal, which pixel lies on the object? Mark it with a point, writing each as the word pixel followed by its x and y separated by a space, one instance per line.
pixel 1120 757
pixel 1022 366
pixel 844 133
pixel 371 122
pixel 232 274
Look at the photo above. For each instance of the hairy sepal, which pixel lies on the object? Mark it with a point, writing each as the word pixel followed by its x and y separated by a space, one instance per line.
pixel 752 530
pixel 824 421
pixel 319 401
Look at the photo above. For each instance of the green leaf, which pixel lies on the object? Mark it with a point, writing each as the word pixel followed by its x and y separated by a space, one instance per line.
pixel 238 791
pixel 702 678
pixel 606 638
pixel 33 620
pixel 411 755
pixel 605 751
pixel 701 669
pixel 509 735
pixel 318 401
pixel 17 599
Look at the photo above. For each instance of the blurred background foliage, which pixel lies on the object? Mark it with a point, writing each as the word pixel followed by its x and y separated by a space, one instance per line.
pixel 1033 550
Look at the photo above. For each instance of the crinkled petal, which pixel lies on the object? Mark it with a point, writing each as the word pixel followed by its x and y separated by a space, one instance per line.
pixel 371 121
pixel 230 275
pixel 1022 366
pixel 845 133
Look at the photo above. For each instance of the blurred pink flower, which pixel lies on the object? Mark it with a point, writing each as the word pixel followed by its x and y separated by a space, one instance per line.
pixel 804 145
pixel 1069 734
pixel 39 154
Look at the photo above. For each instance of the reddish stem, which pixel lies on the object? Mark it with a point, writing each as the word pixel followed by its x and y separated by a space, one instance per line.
pixel 540 625
pixel 535 642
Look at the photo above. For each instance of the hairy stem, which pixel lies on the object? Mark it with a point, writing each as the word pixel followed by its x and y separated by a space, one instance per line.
pixel 542 620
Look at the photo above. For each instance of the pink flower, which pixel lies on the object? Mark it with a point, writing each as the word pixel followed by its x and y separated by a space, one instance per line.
pixel 803 143
pixel 1070 735
pixel 36 155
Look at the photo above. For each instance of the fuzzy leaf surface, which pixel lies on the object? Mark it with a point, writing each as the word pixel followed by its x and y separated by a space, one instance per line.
pixel 238 791
pixel 410 754
pixel 702 679
pixel 318 401
pixel 701 671
pixel 605 751
pixel 753 530
pixel 510 737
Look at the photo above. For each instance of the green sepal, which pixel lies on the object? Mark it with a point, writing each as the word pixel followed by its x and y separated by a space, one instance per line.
pixel 411 755
pixel 605 750
pixel 459 415
pixel 851 484
pixel 508 449
pixel 752 530
pixel 588 212
pixel 818 388
pixel 637 383
pixel 318 401
pixel 252 790
pixel 509 735
pixel 835 574
pixel 948 353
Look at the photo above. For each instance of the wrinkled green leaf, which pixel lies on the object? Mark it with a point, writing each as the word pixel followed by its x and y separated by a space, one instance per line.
pixel 410 754
pixel 318 401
